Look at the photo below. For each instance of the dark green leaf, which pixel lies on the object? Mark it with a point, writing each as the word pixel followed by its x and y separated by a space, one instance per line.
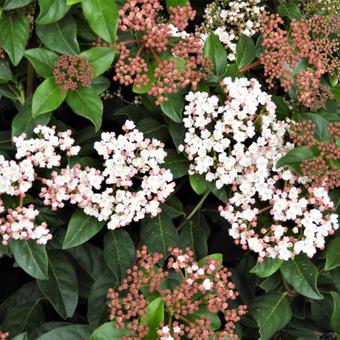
pixel 159 233
pixel 177 164
pixel 295 156
pixel 107 331
pixel 216 53
pixel 5 72
pixel 302 275
pixel 289 9
pixel 245 51
pixel 173 107
pixel 173 207
pixel 267 267
pixel 47 97
pixel 86 103
pixel 100 84
pixel 97 308
pixel 333 254
pixel 70 332
pixel 321 126
pixel 52 11
pixel 177 132
pixel 119 252
pixel 216 257
pixel 13 4
pixel 198 184
pixel 14 36
pixel 102 15
pixel 31 257
pixel 61 289
pixel 60 36
pixel 23 122
pixel 22 336
pixel 81 228
pixel 215 321
pixel 152 128
pixel 101 59
pixel 271 312
pixel 335 318
pixel 42 61
pixel 154 316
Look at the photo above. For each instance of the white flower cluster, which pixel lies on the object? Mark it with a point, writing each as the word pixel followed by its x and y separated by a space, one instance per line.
pixel 15 178
pixel 43 151
pixel 19 224
pixel 230 19
pixel 219 139
pixel 131 185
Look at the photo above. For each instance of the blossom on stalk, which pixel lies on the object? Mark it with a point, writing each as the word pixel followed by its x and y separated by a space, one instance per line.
pixel 222 139
pixel 198 287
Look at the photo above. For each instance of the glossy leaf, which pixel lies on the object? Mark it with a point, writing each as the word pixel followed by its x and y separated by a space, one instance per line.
pixel 6 74
pixel 60 36
pixel 42 60
pixel 302 275
pixel 198 184
pixel 173 107
pixel 159 233
pixel 177 164
pixel 14 36
pixel 13 4
pixel 271 312
pixel 119 252
pixel 31 257
pixel 100 58
pixel 107 331
pixel 81 228
pixel 102 16
pixel 245 51
pixel 296 155
pixel 86 103
pixel 266 268
pixel 61 289
pixel 52 11
pixel 47 97
pixel 216 53
pixel 335 318
pixel 69 332
pixel 154 316
pixel 333 254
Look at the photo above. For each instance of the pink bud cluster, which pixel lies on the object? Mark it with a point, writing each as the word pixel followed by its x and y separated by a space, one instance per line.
pixel 4 335
pixel 111 194
pixel 221 139
pixel 72 72
pixel 310 40
pixel 19 224
pixel 163 75
pixel 200 287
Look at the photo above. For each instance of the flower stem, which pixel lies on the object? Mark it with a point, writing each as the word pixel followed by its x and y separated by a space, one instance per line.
pixel 194 211
pixel 250 66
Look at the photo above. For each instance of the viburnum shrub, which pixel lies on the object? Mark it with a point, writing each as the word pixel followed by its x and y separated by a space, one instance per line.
pixel 169 169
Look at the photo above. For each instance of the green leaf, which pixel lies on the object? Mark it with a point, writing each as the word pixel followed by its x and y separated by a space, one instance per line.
pixel 216 53
pixel 215 321
pixel 52 11
pixel 100 58
pixel 13 4
pixel 271 312
pixel 86 103
pixel 198 184
pixel 335 318
pixel 81 228
pixel 47 97
pixel 23 122
pixel 217 257
pixel 290 10
pixel 6 74
pixel 22 336
pixel 177 132
pixel 60 36
pixel 14 36
pixel 31 257
pixel 302 275
pixel 333 254
pixel 61 289
pixel 176 163
pixel 102 16
pixel 321 126
pixel 194 236
pixel 119 252
pixel 153 128
pixel 69 332
pixel 296 155
pixel 145 88
pixel 42 61
pixel 245 51
pixel 173 107
pixel 100 84
pixel 154 316
pixel 107 331
pixel 72 2
pixel 159 233
pixel 267 267
pixel 96 303
pixel 174 3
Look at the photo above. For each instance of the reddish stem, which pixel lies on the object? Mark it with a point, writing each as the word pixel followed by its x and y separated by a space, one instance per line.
pixel 250 66
pixel 155 56
pixel 264 209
